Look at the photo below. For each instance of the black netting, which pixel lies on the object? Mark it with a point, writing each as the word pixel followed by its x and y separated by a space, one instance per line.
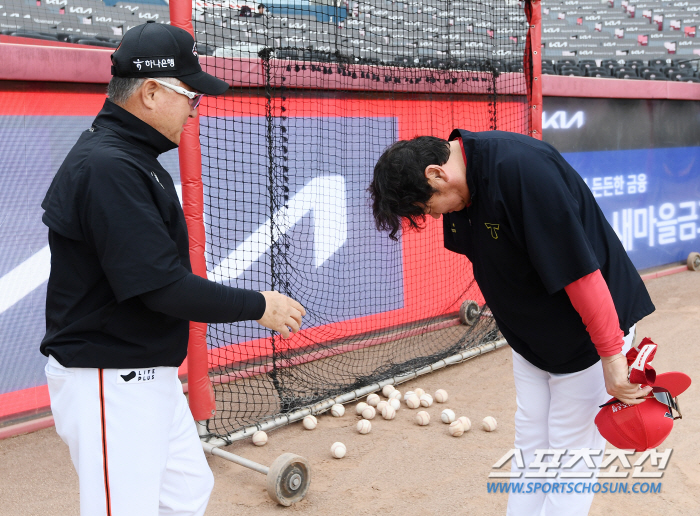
pixel 319 91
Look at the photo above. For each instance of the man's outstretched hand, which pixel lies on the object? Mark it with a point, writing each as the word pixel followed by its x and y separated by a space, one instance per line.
pixel 282 313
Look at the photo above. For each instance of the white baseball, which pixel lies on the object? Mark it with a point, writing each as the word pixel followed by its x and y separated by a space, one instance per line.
pixel 408 394
pixel 489 423
pixel 360 407
pixel 448 416
pixel 381 405
pixel 364 426
pixel 310 422
pixel 369 413
pixel 395 395
pixel 394 403
pixel 338 450
pixel 465 423
pixel 456 428
pixel 388 412
pixel 426 400
pixel 337 410
pixel 441 395
pixel 388 389
pixel 413 401
pixel 422 418
pixel 259 438
pixel 372 400
pixel 418 392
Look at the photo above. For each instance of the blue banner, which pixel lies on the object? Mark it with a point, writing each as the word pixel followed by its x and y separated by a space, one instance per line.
pixel 651 197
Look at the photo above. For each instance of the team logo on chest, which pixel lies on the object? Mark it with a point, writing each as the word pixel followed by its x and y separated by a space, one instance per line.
pixel 493 228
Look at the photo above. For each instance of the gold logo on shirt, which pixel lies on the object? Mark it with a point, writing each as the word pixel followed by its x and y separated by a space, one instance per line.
pixel 454 230
pixel 494 229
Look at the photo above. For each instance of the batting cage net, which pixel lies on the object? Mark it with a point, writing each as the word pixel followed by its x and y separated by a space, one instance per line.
pixel 320 89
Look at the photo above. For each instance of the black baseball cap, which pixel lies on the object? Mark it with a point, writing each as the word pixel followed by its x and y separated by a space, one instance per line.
pixel 161 50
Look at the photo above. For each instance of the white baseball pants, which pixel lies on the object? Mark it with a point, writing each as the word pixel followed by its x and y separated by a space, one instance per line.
pixel 132 441
pixel 556 411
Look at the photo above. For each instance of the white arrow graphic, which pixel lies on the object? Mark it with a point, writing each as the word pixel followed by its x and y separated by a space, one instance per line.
pixel 28 275
pixel 325 197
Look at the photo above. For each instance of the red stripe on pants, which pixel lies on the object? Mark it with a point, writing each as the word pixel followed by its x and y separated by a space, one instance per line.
pixel 104 443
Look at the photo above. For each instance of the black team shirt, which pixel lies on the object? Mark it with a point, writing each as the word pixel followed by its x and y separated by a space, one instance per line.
pixel 532 228
pixel 121 290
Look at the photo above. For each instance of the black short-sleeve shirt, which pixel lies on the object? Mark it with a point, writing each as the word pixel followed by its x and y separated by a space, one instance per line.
pixel 532 228
pixel 116 230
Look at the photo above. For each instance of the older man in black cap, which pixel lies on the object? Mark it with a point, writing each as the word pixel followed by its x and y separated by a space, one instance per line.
pixel 121 292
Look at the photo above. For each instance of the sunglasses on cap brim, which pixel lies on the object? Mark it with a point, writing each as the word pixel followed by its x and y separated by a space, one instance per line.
pixel 662 396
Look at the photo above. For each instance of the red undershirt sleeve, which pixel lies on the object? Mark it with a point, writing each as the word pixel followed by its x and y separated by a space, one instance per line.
pixel 591 298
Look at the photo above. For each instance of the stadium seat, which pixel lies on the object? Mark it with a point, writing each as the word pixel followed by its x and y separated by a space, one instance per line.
pixel 597 71
pixel 660 63
pixel 565 63
pixel 626 74
pixel 515 67
pixel 572 71
pixel 688 79
pixel 675 74
pixel 629 69
pixel 634 63
pixel 583 64
pixel 654 75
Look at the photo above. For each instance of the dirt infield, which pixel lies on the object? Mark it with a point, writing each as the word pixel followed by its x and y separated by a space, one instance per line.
pixel 401 468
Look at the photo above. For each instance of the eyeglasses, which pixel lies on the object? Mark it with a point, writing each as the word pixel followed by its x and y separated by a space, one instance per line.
pixel 195 98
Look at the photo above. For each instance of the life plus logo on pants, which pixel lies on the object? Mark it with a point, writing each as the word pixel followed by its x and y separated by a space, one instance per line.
pixel 136 375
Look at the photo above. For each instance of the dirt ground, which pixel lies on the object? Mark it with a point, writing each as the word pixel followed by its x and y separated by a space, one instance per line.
pixel 401 468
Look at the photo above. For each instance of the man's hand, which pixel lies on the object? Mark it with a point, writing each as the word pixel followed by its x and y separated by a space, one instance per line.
pixel 616 383
pixel 282 313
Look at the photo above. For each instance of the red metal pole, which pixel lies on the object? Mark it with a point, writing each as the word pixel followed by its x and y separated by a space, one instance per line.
pixel 533 67
pixel 201 393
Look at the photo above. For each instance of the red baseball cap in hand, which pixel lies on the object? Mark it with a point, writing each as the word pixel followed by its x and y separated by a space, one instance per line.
pixel 644 426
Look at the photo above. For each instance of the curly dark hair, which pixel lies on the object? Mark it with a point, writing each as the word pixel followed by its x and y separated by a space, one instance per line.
pixel 399 188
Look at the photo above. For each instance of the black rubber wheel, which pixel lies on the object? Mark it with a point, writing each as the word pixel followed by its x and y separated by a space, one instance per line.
pixel 288 479
pixel 469 312
pixel 694 261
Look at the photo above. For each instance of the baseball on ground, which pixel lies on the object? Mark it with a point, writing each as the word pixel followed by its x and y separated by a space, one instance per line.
pixel 388 389
pixel 408 393
pixel 395 395
pixel 426 400
pixel 360 407
pixel 337 410
pixel 465 423
pixel 388 412
pixel 418 392
pixel 489 424
pixel 364 426
pixel 441 395
pixel 394 403
pixel 310 422
pixel 338 450
pixel 381 405
pixel 456 428
pixel 259 438
pixel 413 401
pixel 422 418
pixel 447 416
pixel 369 413
pixel 372 400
